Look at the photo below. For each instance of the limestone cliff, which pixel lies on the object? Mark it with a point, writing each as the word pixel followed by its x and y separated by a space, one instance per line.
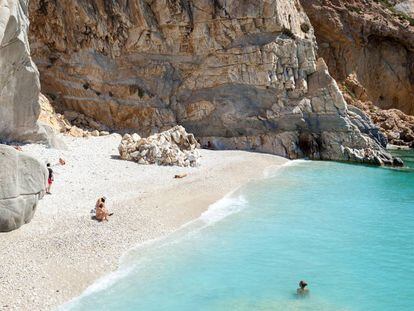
pixel 19 78
pixel 238 74
pixel 372 40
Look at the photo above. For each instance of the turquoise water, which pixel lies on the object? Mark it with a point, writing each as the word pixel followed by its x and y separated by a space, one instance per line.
pixel 348 230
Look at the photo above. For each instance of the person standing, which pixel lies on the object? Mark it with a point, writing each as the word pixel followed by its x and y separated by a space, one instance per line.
pixel 50 178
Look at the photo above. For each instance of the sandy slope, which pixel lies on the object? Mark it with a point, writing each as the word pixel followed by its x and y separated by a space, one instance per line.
pixel 62 250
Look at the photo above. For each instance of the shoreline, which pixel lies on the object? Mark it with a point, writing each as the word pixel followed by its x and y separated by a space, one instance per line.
pixel 62 251
pixel 125 266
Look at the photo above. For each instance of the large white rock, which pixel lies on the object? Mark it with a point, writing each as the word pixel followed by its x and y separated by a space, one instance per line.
pixel 172 147
pixel 22 185
pixel 406 7
pixel 19 78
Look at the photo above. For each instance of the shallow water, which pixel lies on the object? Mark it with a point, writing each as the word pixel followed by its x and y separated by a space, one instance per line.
pixel 348 230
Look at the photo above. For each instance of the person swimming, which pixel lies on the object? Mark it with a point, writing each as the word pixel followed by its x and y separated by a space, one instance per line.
pixel 302 291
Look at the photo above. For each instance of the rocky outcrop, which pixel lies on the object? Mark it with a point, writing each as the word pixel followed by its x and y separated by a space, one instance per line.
pixel 19 78
pixel 369 157
pixel 398 128
pixel 22 184
pixel 172 147
pixel 237 74
pixel 405 7
pixel 372 40
pixel 70 122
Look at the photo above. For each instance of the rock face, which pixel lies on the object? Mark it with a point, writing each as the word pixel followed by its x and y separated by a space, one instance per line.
pixel 172 147
pixel 22 184
pixel 70 122
pixel 372 40
pixel 405 7
pixel 237 74
pixel 397 126
pixel 19 78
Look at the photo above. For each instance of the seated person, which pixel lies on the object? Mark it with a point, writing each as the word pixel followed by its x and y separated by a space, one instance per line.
pixel 101 213
pixel 100 200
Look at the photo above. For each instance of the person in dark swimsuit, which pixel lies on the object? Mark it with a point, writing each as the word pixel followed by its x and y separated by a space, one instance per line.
pixel 50 179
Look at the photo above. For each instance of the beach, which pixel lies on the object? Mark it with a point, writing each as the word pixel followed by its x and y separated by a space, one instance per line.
pixel 62 250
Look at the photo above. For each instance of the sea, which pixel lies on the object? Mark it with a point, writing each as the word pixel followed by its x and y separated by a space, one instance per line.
pixel 347 230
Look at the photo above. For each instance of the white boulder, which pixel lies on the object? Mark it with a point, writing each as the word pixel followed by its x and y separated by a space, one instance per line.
pixel 172 147
pixel 22 184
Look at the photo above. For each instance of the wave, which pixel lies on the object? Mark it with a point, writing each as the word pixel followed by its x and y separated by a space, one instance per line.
pixel 223 208
pixel 272 171
pixel 99 285
pixel 296 162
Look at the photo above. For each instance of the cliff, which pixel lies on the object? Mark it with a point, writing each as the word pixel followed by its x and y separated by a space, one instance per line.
pixel 372 40
pixel 238 74
pixel 19 78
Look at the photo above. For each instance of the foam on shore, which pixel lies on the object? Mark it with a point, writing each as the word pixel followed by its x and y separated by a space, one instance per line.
pixel 223 208
pixel 101 284
pixel 272 171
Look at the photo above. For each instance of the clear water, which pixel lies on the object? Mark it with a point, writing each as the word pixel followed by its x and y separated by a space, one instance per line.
pixel 348 230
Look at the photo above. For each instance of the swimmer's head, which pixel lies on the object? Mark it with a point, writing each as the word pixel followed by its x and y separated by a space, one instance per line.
pixel 303 284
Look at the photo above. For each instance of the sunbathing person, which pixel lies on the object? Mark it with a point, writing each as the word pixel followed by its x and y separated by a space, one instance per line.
pixel 100 200
pixel 101 213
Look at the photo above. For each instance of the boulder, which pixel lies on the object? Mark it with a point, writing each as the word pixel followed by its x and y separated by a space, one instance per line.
pixel 370 156
pixel 405 7
pixel 76 132
pixel 22 184
pixel 172 147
